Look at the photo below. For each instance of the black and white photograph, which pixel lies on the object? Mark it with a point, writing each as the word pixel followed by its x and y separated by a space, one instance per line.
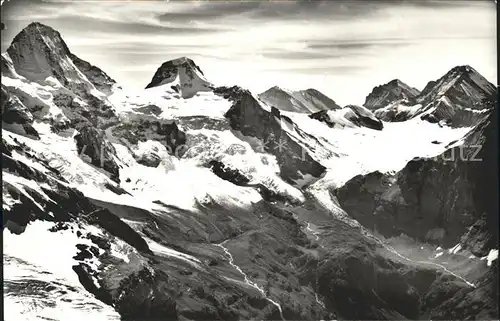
pixel 288 160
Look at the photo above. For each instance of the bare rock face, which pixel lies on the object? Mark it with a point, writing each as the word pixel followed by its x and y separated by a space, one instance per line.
pixel 92 143
pixel 39 51
pixel 95 75
pixel 395 90
pixel 463 86
pixel 16 116
pixel 433 200
pixel 146 295
pixel 350 115
pixel 174 137
pixel 247 116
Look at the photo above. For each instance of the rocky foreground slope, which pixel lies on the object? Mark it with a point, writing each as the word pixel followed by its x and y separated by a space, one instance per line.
pixel 189 201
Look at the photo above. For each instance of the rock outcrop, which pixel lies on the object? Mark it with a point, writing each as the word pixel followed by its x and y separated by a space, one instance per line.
pixel 394 90
pixel 183 75
pixel 16 116
pixel 433 200
pixel 247 116
pixel 92 142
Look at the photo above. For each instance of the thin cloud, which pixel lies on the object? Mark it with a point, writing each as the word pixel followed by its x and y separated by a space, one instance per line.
pixel 356 45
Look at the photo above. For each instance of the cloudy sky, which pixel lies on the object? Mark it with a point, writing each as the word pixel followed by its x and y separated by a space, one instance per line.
pixel 343 48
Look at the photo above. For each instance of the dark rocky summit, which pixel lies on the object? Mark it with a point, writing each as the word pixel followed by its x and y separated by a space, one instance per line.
pixel 16 116
pixel 394 90
pixel 170 69
pixel 92 142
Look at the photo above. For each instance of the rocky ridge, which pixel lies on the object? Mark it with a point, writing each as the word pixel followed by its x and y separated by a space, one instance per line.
pixel 394 90
pixel 302 101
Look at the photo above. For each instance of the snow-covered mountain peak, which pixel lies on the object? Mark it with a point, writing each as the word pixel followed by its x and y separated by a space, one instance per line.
pixel 390 92
pixel 182 74
pixel 39 32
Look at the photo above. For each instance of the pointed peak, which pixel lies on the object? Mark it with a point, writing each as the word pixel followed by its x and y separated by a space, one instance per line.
pixel 463 70
pixel 275 88
pixel 36 30
pixel 312 91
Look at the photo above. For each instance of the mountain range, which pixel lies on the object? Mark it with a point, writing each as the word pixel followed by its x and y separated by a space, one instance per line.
pixel 186 200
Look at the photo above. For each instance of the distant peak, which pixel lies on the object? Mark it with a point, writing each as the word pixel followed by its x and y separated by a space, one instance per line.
pixel 463 70
pixel 37 29
pixel 274 88
pixel 452 83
